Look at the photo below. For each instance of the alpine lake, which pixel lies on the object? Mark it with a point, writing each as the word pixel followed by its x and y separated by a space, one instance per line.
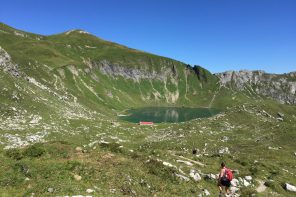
pixel 167 114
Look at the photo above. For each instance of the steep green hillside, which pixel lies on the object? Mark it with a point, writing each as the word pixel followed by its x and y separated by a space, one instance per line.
pixel 60 134
pixel 85 64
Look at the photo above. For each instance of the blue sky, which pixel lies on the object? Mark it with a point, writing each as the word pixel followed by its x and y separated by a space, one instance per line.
pixel 216 34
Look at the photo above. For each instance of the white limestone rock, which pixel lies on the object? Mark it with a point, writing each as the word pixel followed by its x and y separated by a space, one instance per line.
pixel 182 177
pixel 290 187
pixel 77 177
pixel 235 182
pixel 185 162
pixel 224 151
pixel 206 192
pixel 90 191
pixel 246 183
pixel 194 175
pixel 7 65
pixel 248 178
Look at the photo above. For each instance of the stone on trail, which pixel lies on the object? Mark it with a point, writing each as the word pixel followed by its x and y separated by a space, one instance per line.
pixel 84 151
pixel 266 114
pixel 290 187
pixel 206 192
pixel 78 149
pixel 235 182
pixel 210 176
pixel 281 115
pixel 240 179
pixel 77 177
pixel 246 183
pixel 234 189
pixel 248 178
pixel 115 124
pixel 280 119
pixel 50 190
pixel 168 164
pixel 224 151
pixel 194 175
pixel 192 161
pixel 185 162
pixel 261 187
pixel 182 177
pixel 224 139
pixel 274 148
pixel 90 190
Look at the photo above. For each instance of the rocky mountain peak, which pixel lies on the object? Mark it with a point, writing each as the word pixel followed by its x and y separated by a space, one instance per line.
pixel 80 31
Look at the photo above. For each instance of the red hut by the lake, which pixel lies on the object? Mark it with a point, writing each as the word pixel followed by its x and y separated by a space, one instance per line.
pixel 146 123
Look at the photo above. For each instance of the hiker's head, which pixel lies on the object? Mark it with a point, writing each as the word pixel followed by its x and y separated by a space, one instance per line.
pixel 222 164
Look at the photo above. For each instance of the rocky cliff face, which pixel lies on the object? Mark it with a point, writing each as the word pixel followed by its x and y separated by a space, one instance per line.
pixel 7 65
pixel 279 87
pixel 135 74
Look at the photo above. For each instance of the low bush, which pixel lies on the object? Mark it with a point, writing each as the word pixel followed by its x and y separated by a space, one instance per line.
pixel 14 154
pixel 11 178
pixel 72 165
pixel 270 184
pixel 113 147
pixel 247 191
pixel 158 169
pixel 36 150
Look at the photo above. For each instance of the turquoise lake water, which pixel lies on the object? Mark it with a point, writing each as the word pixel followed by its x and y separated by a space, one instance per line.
pixel 168 114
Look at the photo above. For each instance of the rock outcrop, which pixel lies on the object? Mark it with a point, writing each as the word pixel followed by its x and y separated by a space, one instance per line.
pixel 135 74
pixel 7 65
pixel 281 87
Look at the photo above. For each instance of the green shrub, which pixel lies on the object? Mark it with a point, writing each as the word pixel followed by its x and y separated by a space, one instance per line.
pixel 254 170
pixel 14 154
pixel 158 169
pixel 113 147
pixel 11 178
pixel 274 173
pixel 243 163
pixel 36 150
pixel 72 165
pixel 270 184
pixel 127 190
pixel 247 191
pixel 22 168
pixel 58 149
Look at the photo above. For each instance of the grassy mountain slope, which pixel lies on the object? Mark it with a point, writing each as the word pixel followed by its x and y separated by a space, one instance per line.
pixel 81 53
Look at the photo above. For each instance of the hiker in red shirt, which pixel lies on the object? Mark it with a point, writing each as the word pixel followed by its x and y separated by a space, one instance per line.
pixel 224 179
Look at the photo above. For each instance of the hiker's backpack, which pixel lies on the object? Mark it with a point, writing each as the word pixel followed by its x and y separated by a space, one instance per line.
pixel 229 174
